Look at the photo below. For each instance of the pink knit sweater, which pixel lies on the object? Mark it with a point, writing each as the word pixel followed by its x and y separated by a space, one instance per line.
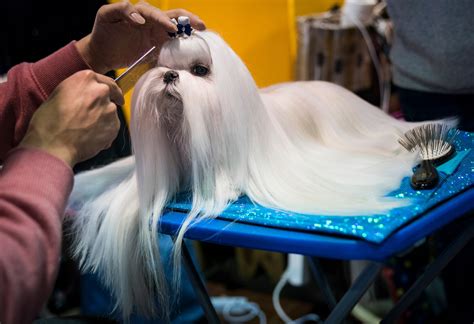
pixel 34 187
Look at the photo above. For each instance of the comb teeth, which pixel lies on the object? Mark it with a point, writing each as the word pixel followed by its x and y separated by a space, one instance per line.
pixel 431 140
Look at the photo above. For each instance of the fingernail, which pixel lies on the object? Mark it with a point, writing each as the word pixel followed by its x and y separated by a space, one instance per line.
pixel 201 25
pixel 136 17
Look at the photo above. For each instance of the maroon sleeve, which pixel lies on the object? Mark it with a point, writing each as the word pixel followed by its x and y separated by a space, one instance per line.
pixel 34 187
pixel 28 85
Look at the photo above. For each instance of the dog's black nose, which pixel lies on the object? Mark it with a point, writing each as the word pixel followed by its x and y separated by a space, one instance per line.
pixel 170 76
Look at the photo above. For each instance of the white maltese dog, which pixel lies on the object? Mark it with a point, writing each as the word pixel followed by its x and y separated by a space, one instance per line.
pixel 200 124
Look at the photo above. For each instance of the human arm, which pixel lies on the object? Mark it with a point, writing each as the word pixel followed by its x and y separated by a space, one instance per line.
pixel 78 120
pixel 31 207
pixel 28 85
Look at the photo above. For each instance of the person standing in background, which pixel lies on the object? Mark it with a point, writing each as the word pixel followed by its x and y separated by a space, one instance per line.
pixel 432 59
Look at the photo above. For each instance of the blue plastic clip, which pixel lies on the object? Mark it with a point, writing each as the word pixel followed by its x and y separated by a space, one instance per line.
pixel 184 27
pixel 180 29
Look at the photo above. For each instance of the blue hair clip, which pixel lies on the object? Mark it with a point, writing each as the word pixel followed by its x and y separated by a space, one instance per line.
pixel 184 27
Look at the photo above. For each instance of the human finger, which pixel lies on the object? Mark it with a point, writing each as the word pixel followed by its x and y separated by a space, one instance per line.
pixel 196 22
pixel 112 120
pixel 120 11
pixel 155 16
pixel 115 94
pixel 111 124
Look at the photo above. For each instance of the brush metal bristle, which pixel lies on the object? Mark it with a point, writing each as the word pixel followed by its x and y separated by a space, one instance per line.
pixel 433 141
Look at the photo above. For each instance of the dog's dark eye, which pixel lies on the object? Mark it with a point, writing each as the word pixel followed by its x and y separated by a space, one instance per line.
pixel 200 70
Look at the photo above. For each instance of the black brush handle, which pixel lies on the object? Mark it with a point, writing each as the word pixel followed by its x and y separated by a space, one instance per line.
pixel 425 177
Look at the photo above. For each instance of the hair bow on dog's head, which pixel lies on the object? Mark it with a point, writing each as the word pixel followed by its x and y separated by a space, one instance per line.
pixel 184 27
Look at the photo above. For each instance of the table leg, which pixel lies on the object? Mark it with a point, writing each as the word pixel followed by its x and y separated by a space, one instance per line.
pixel 322 281
pixel 355 293
pixel 199 287
pixel 430 273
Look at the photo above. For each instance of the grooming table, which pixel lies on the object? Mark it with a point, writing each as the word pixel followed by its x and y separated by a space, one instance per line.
pixel 363 241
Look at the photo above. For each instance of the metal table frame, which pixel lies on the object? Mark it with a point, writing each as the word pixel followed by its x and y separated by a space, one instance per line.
pixel 223 232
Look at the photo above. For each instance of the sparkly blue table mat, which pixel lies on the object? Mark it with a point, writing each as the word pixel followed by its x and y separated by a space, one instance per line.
pixel 456 176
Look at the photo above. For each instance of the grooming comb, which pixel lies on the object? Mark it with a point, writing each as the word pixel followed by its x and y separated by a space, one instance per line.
pixel 127 79
pixel 434 144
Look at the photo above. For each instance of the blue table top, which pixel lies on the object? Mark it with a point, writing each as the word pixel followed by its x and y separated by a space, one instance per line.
pixel 371 237
pixel 233 233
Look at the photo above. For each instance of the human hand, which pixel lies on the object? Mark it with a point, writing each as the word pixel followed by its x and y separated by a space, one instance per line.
pixel 78 120
pixel 122 32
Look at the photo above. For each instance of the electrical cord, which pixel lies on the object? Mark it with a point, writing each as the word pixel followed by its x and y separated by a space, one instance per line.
pixel 238 309
pixel 364 315
pixel 279 310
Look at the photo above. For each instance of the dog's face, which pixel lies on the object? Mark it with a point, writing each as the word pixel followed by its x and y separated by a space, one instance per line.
pixel 184 73
pixel 195 107
pixel 201 73
pixel 182 59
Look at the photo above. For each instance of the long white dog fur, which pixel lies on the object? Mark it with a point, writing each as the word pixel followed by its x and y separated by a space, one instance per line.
pixel 307 147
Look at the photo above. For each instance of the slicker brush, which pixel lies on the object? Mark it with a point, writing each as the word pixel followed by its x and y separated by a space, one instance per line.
pixel 434 144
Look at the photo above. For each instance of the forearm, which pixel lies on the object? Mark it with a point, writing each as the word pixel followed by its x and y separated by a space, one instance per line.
pixel 28 85
pixel 32 202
